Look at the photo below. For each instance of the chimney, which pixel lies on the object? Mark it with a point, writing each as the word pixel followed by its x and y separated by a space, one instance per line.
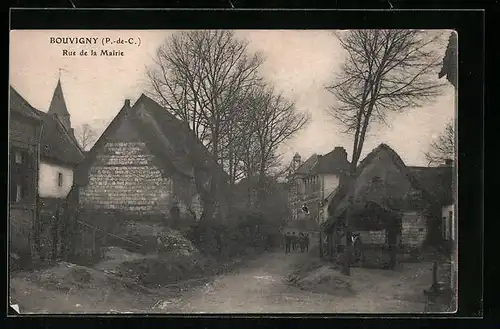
pixel 127 102
pixel 340 150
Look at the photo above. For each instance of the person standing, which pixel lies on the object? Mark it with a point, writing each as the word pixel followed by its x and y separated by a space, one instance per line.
pixel 288 242
pixel 301 241
pixel 307 241
pixel 294 241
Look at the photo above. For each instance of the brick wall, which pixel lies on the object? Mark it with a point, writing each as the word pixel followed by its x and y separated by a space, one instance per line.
pixel 126 177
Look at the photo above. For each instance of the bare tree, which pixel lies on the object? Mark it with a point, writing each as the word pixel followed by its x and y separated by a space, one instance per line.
pixel 85 136
pixel 200 76
pixel 443 148
pixel 275 121
pixel 384 70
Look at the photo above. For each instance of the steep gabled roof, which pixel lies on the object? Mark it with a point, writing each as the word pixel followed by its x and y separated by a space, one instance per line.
pixel 339 201
pixel 56 142
pixel 332 163
pixel 81 173
pixel 170 140
pixel 20 106
pixel 308 165
pixel 58 104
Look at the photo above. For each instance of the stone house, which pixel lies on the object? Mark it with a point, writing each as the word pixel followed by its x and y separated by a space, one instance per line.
pixel 313 181
pixel 24 131
pixel 385 189
pixel 439 182
pixel 144 166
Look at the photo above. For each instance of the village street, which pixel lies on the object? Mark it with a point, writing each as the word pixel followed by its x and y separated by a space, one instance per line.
pixel 255 287
pixel 259 288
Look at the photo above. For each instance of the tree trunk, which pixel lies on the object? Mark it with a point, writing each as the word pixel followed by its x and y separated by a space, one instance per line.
pixel 346 268
pixel 262 185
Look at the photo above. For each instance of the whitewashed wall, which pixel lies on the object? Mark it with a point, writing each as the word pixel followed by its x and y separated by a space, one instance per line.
pixel 331 182
pixel 48 183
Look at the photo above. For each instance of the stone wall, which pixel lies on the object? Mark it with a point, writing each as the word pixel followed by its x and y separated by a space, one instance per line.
pixel 126 177
pixel 373 237
pixel 21 230
pixel 414 229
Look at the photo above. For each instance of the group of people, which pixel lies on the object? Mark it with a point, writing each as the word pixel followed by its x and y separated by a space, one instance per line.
pixel 294 242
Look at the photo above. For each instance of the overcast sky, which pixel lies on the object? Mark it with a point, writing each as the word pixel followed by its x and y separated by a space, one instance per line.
pixel 299 63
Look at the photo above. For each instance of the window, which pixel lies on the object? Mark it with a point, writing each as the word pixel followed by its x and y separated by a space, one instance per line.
pixel 59 179
pixel 21 175
pixel 18 157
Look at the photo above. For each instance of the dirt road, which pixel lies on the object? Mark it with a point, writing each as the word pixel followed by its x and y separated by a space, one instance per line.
pixel 256 287
pixel 259 288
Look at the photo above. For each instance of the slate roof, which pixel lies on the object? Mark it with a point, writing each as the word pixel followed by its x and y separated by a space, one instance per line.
pixel 308 165
pixel 56 142
pixel 332 162
pixel 58 104
pixel 20 106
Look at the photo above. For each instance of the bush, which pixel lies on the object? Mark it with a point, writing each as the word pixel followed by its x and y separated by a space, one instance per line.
pixel 169 268
pixel 249 233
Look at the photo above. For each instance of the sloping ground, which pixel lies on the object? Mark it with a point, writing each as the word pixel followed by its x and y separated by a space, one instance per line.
pixel 70 288
pixel 325 279
pixel 114 284
pixel 405 284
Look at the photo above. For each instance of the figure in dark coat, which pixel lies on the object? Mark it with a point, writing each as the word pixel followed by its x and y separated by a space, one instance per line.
pixel 288 242
pixel 307 241
pixel 294 241
pixel 302 241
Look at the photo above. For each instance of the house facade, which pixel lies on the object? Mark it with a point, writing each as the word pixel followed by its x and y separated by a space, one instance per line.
pixel 439 182
pixel 313 181
pixel 144 164
pixel 60 154
pixel 413 195
pixel 42 169
pixel 24 132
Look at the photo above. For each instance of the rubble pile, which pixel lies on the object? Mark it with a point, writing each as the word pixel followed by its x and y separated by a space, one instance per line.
pixel 155 237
